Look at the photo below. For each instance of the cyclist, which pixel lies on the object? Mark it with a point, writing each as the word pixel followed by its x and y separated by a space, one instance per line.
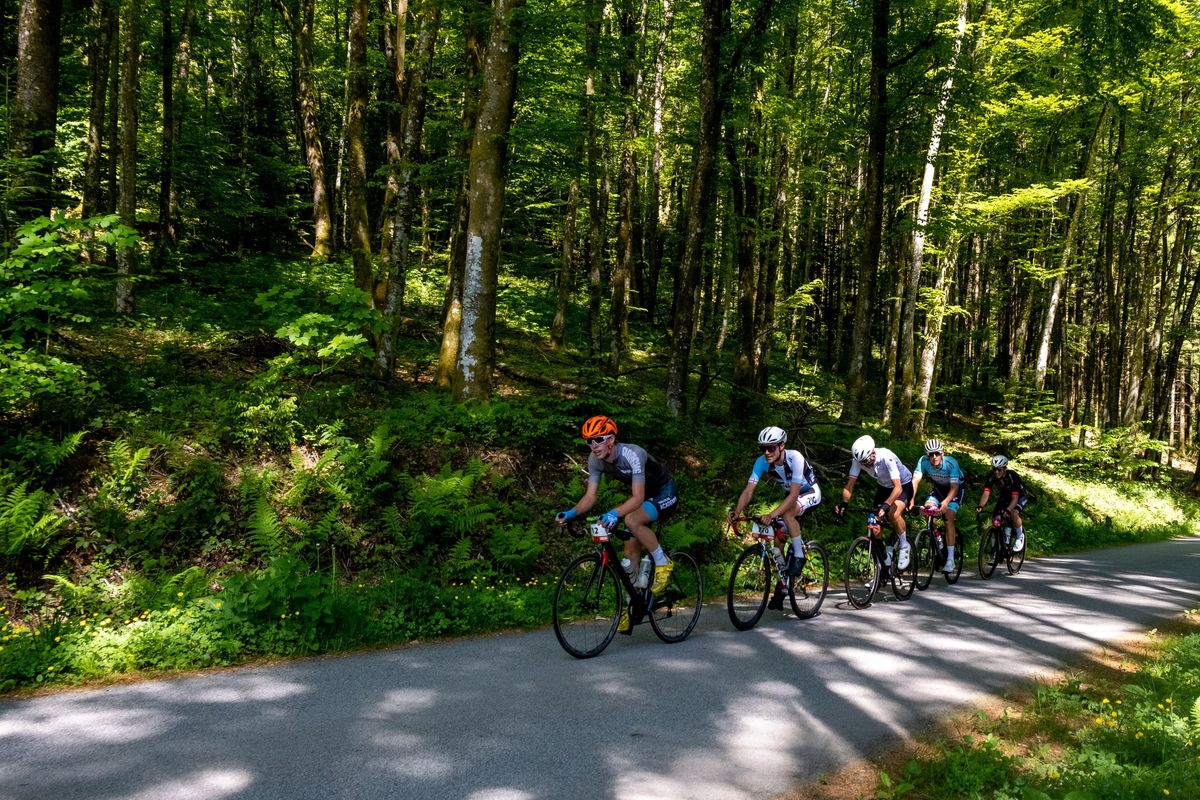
pixel 651 494
pixel 796 476
pixel 947 489
pixel 1010 497
pixel 894 492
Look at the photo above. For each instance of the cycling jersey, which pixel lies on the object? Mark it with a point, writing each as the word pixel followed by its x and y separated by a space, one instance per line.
pixel 794 470
pixel 887 468
pixel 631 463
pixel 941 477
pixel 1010 484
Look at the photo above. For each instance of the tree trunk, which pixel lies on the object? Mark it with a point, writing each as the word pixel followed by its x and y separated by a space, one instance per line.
pixel 393 42
pixel 176 61
pixel 100 58
pixel 566 267
pixel 860 346
pixel 474 21
pixel 699 197
pixel 300 26
pixel 35 109
pixel 596 182
pixel 913 284
pixel 357 219
pixel 656 221
pixel 624 265
pixel 407 188
pixel 476 349
pixel 127 201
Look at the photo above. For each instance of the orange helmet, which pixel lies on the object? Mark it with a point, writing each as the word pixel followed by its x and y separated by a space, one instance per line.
pixel 598 425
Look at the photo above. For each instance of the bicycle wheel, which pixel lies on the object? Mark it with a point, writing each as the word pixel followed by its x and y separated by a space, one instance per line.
pixel 862 573
pixel 1017 560
pixel 989 551
pixel 807 590
pixel 676 609
pixel 749 584
pixel 922 549
pixel 904 580
pixel 587 606
pixel 960 555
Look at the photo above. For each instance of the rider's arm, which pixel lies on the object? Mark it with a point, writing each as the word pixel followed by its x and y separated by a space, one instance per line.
pixel 897 490
pixel 949 498
pixel 637 495
pixel 848 489
pixel 916 481
pixel 983 498
pixel 588 500
pixel 743 501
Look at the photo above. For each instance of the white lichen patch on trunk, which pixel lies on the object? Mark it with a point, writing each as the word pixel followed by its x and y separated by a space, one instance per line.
pixel 472 292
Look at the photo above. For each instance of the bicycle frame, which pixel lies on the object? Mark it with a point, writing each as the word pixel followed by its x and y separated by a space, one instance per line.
pixel 637 598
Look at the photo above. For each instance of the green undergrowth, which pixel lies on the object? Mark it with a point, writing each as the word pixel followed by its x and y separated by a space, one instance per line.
pixel 234 483
pixel 1125 725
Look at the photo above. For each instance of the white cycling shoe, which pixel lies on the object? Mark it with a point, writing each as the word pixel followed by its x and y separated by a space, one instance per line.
pixel 902 559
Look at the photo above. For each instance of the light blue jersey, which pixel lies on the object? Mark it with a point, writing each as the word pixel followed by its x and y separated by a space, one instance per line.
pixel 941 477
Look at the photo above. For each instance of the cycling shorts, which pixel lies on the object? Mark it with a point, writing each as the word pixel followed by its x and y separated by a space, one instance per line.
pixel 809 499
pixel 937 496
pixel 1002 505
pixel 663 502
pixel 883 492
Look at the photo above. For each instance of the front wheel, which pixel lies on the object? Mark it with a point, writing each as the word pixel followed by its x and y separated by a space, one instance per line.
pixel 989 552
pixel 922 549
pixel 675 610
pixel 862 573
pixel 587 606
pixel 749 585
pixel 806 591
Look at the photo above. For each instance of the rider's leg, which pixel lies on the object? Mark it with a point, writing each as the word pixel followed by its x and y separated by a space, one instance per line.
pixel 638 522
pixel 951 535
pixel 1018 529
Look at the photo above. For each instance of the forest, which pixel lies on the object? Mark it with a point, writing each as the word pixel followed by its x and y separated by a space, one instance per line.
pixel 302 302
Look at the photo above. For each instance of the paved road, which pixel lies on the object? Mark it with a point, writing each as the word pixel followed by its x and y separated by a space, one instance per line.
pixel 512 717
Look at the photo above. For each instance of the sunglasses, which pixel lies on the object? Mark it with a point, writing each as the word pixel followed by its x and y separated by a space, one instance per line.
pixel 600 439
pixel 771 448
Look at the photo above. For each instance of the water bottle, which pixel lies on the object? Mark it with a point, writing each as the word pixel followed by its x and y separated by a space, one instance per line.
pixel 627 565
pixel 1007 533
pixel 778 556
pixel 644 575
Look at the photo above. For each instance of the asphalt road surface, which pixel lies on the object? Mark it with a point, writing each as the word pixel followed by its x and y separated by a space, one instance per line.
pixel 513 717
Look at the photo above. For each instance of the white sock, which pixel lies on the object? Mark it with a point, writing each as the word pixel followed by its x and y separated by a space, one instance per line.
pixel 949 554
pixel 797 546
pixel 903 541
pixel 659 556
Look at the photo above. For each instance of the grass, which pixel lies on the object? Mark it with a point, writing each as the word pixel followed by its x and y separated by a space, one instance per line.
pixel 1122 723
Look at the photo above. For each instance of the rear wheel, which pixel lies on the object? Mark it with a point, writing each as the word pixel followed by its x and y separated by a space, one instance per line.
pixel 923 557
pixel 587 606
pixel 862 573
pixel 749 584
pixel 675 610
pixel 807 590
pixel 1017 560
pixel 904 580
pixel 989 552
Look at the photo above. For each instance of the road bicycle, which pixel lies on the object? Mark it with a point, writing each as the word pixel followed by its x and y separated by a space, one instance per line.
pixel 929 549
pixel 762 565
pixel 996 546
pixel 594 589
pixel 866 566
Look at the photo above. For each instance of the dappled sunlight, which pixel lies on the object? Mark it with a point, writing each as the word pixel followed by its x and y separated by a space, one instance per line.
pixel 82 725
pixel 207 784
pixel 500 793
pixel 246 688
pixel 403 701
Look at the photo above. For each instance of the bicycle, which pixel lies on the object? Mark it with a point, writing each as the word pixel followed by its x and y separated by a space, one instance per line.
pixel 594 589
pixel 995 547
pixel 750 580
pixel 929 549
pixel 865 562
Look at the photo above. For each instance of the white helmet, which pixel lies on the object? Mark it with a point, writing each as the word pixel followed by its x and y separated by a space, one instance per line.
pixel 771 436
pixel 999 461
pixel 862 448
pixel 933 446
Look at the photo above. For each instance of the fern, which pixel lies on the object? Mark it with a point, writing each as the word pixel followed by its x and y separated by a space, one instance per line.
pixel 73 595
pixel 1196 716
pixel 265 530
pixel 26 520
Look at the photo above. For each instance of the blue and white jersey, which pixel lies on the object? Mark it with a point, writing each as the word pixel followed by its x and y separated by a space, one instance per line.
pixel 887 468
pixel 794 470
pixel 941 477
